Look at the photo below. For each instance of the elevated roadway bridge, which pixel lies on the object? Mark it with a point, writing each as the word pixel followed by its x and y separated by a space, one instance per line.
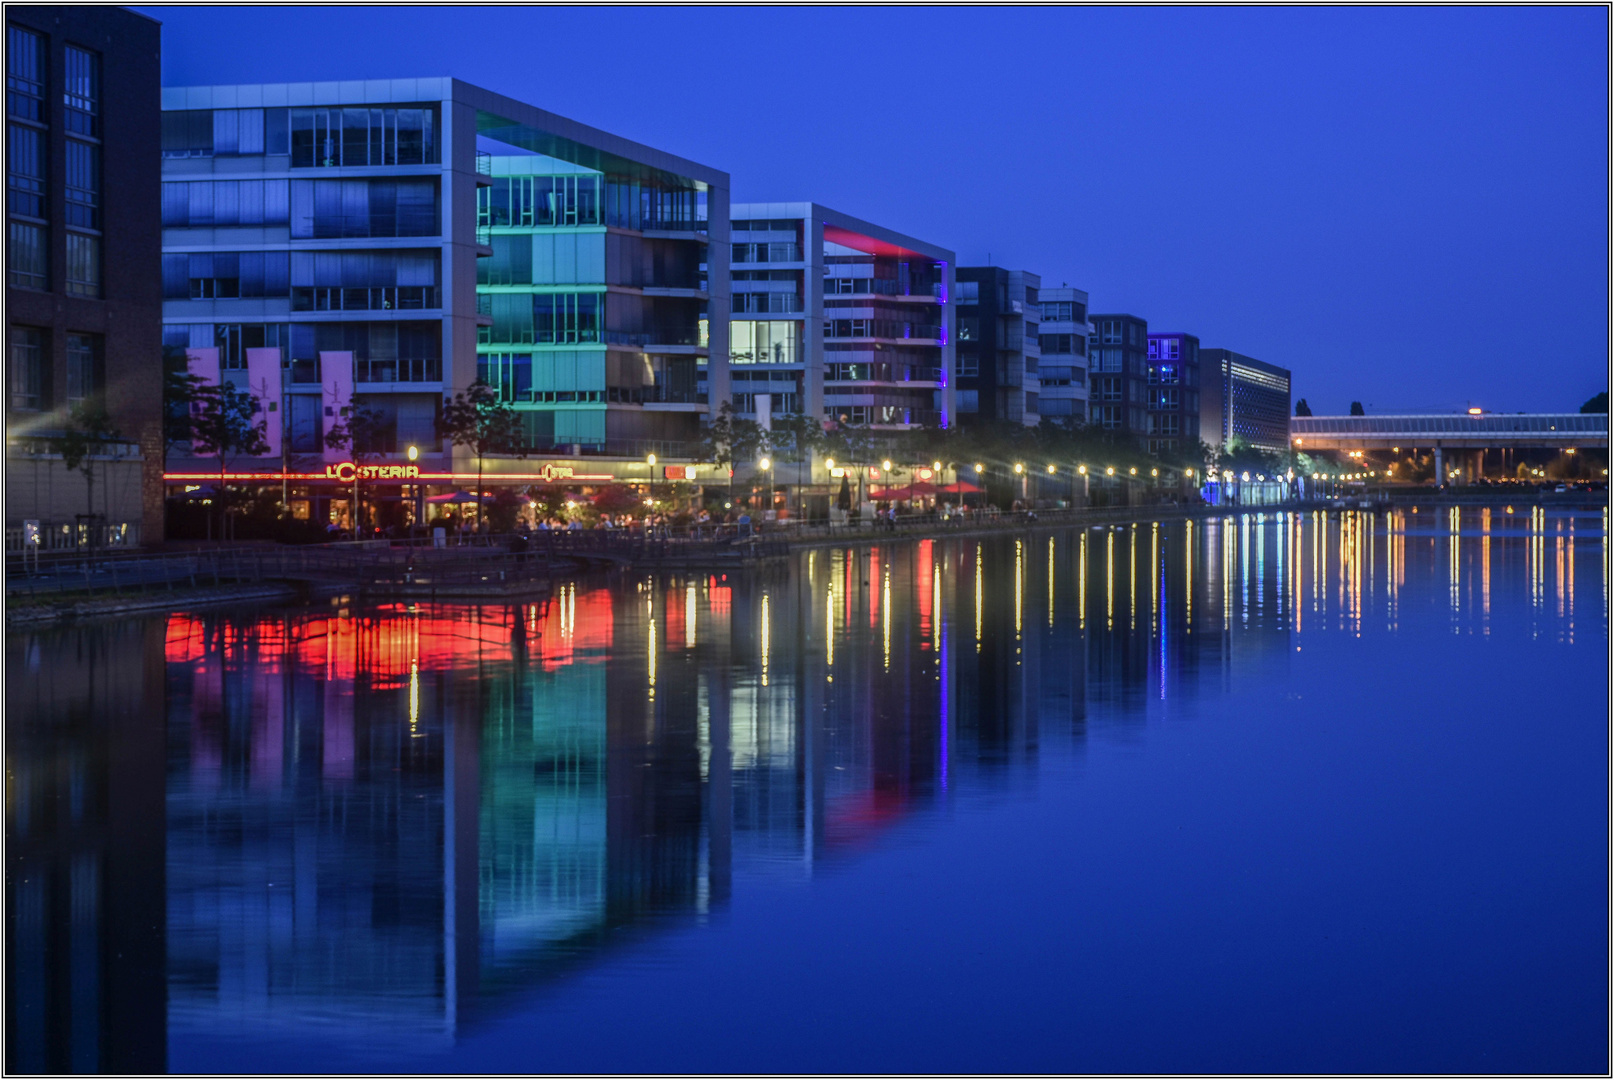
pixel 1449 433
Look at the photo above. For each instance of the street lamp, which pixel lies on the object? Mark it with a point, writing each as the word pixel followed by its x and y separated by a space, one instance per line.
pixel 414 453
pixel 1052 469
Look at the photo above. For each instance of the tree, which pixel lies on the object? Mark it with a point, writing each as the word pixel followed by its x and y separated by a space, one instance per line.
pixel 477 419
pixel 1598 403
pixel 1357 410
pixel 1301 408
pixel 179 397
pixel 363 432
pixel 851 446
pixel 88 426
pixel 730 438
pixel 222 424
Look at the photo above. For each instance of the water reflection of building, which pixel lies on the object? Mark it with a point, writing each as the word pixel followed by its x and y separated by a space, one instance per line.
pixel 379 824
pixel 84 851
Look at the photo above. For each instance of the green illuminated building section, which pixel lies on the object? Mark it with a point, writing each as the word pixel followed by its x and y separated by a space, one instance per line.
pixel 593 305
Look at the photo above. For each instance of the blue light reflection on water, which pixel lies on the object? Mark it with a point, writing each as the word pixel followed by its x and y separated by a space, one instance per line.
pixel 1336 807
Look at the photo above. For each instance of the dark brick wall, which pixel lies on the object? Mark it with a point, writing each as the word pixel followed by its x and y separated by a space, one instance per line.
pixel 129 313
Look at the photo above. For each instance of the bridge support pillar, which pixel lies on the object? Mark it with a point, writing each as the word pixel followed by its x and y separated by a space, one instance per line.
pixel 1440 468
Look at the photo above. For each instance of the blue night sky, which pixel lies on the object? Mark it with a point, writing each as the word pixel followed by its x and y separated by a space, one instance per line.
pixel 1408 206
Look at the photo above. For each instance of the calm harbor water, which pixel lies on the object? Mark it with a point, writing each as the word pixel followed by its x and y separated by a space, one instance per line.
pixel 1276 793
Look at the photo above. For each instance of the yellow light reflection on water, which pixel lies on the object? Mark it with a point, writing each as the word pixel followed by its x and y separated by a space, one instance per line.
pixel 650 655
pixel 414 699
pixel 1109 579
pixel 977 597
pixel 1132 577
pixel 689 615
pixel 1154 577
pixel 1082 583
pixel 829 630
pixel 885 614
pixel 1050 583
pixel 1188 576
pixel 1019 584
pixel 767 637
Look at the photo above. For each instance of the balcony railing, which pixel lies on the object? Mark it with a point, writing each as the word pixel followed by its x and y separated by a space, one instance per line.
pixel 484 163
pixel 381 298
pixel 766 253
pixel 766 304
pixel 423 369
pixel 646 338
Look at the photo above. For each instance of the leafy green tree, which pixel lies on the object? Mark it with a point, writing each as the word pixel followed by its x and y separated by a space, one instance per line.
pixel 730 438
pixel 1598 403
pixel 479 420
pixel 88 429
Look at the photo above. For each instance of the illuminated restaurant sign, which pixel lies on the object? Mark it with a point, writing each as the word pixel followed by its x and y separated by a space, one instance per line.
pixel 345 472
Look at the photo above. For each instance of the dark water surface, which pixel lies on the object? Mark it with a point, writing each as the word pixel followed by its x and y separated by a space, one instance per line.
pixel 1267 794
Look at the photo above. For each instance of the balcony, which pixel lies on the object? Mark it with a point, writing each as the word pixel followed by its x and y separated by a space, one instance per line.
pixel 400 370
pixel 651 340
pixel 484 169
pixel 380 298
pixel 779 303
pixel 765 253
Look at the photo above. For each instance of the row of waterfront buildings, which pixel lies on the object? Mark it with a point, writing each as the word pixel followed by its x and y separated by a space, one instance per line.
pixel 388 242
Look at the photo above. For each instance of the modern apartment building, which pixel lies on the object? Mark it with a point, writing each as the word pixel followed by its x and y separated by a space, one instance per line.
pixel 598 293
pixel 836 317
pixel 999 356
pixel 385 242
pixel 1246 397
pixel 1062 341
pixel 1118 374
pixel 1173 394
pixel 83 305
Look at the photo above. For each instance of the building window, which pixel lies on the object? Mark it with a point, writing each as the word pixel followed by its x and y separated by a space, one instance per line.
pixel 83 184
pixel 967 292
pixel 27 369
pixel 82 367
pixel 83 265
pixel 25 74
pixel 969 364
pixel 25 171
pixel 969 401
pixel 234 339
pixel 332 209
pixel 225 202
pixel 25 256
pixel 771 342
pixel 83 93
pixel 345 137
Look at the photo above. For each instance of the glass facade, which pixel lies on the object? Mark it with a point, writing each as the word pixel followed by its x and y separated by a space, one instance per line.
pixel 574 327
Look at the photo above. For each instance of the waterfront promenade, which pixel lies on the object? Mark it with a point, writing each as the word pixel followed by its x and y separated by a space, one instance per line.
pixel 483 569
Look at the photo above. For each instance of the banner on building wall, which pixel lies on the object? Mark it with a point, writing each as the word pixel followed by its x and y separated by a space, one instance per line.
pixel 336 394
pixel 263 382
